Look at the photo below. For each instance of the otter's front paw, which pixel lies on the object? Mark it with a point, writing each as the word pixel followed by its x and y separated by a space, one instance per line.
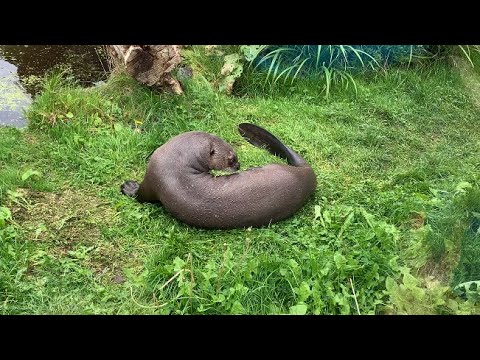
pixel 130 188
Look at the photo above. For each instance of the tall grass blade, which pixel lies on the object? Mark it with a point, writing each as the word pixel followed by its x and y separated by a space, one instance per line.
pixel 357 54
pixel 352 81
pixel 467 55
pixel 275 57
pixel 299 68
pixel 344 53
pixel 328 79
pixel 270 55
pixel 289 69
pixel 319 53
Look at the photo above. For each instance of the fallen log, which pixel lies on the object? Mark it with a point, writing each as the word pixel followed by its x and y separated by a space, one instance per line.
pixel 150 65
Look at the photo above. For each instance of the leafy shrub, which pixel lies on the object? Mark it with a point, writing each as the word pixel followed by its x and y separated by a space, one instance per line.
pixel 339 267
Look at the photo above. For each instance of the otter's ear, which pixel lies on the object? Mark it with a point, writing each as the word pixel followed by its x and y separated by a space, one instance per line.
pixel 212 149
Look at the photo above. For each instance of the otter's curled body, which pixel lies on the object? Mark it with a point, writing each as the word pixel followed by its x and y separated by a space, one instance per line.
pixel 178 176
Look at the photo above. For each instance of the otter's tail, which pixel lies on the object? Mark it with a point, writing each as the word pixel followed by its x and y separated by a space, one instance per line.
pixel 262 138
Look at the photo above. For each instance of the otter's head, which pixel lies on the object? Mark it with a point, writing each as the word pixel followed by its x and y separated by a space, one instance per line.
pixel 222 156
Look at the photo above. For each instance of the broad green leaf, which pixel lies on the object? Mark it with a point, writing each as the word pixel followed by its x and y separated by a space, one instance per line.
pixel 220 298
pixel 418 293
pixel 461 186
pixel 298 309
pixel 292 263
pixel 318 214
pixel 340 260
pixel 5 214
pixel 230 63
pixel 303 291
pixel 118 126
pixel 178 264
pixel 390 284
pixel 237 308
pixel 29 173
pixel 98 120
pixel 231 70
pixel 250 52
pixel 346 224
pixel 409 281
pixel 326 217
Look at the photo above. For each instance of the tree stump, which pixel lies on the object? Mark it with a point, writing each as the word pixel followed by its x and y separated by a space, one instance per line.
pixel 151 65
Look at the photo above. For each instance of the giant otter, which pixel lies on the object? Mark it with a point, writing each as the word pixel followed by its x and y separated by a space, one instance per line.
pixel 178 177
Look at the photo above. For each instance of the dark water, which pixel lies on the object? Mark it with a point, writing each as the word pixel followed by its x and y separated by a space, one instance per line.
pixel 22 67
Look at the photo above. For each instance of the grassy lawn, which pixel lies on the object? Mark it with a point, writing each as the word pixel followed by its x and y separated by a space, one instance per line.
pixel 392 227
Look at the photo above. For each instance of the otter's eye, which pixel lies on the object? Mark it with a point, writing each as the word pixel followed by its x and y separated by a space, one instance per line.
pixel 212 151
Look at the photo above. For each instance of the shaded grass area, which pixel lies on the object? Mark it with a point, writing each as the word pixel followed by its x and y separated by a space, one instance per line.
pixel 455 237
pixel 383 159
pixel 469 266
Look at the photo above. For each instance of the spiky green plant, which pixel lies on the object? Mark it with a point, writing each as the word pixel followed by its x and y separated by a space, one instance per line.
pixel 335 64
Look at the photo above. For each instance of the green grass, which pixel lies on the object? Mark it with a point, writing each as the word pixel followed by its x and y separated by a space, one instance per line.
pixel 384 159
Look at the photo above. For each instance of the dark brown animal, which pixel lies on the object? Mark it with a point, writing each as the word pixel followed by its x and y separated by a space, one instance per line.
pixel 178 176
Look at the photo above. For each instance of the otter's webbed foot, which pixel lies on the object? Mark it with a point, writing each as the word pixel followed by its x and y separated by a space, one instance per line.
pixel 130 188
